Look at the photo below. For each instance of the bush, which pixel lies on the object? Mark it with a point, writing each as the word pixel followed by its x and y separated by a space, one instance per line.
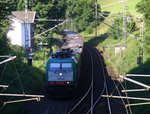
pixel 117 26
pixel 89 30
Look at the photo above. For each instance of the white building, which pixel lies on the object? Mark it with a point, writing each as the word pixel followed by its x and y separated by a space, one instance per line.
pixel 17 32
pixel 119 48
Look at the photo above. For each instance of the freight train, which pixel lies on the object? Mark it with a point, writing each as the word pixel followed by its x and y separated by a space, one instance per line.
pixel 63 67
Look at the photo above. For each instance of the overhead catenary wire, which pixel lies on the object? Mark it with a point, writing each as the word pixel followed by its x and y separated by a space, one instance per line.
pixel 131 35
pixel 49 29
pixel 3 72
pixel 49 19
pixel 2 107
pixel 116 87
pixel 19 78
pixel 21 89
pixel 111 26
pixel 120 95
pixel 126 94
pixel 140 84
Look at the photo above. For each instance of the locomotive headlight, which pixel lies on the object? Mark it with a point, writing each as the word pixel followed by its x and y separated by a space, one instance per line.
pixel 60 74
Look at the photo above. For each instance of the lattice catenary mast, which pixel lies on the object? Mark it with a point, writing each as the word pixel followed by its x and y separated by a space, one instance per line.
pixel 124 22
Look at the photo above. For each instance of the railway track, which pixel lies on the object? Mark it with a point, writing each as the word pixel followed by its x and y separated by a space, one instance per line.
pixel 93 83
pixel 97 86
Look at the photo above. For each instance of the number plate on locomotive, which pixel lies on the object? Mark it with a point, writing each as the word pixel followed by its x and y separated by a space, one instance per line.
pixel 61 78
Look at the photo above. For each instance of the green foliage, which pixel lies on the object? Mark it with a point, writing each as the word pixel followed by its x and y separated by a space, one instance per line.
pixel 45 9
pixel 147 41
pixel 143 7
pixel 48 9
pixel 82 12
pixel 117 26
pixel 32 78
pixel 20 5
pixel 89 30
pixel 55 48
pixel 5 7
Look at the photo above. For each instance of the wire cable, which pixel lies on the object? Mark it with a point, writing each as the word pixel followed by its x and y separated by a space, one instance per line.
pixel 116 86
pixel 131 35
pixel 18 77
pixel 3 71
pixel 2 107
pixel 127 98
pixel 120 95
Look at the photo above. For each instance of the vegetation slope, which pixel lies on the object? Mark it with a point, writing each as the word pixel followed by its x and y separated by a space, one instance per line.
pixel 126 61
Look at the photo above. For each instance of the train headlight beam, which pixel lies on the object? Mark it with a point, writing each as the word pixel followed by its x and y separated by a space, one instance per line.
pixel 60 74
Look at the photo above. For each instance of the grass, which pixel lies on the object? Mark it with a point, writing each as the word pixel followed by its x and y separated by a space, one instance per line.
pixel 31 77
pixel 105 2
pixel 131 4
pixel 125 62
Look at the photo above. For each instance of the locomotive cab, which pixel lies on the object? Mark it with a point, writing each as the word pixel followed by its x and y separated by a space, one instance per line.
pixel 61 76
pixel 63 67
pixel 60 73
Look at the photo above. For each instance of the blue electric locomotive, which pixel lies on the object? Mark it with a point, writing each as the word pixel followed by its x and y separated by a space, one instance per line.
pixel 63 67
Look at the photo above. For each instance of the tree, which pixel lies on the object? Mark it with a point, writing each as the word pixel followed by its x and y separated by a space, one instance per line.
pixel 82 12
pixel 20 5
pixel 118 22
pixel 45 9
pixel 6 7
pixel 143 8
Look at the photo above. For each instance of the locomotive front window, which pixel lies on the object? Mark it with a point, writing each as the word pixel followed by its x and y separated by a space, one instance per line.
pixel 54 66
pixel 67 66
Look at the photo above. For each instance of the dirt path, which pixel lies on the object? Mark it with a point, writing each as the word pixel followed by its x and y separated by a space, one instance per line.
pixel 113 4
